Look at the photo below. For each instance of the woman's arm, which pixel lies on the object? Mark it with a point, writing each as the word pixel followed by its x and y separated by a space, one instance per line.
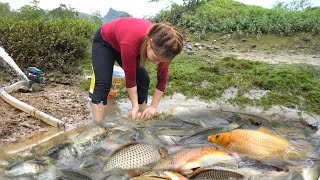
pixel 156 98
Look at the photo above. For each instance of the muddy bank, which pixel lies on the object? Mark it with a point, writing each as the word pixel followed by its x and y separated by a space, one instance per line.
pixel 67 103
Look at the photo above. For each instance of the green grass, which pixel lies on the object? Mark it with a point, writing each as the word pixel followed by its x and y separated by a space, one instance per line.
pixel 84 84
pixel 288 85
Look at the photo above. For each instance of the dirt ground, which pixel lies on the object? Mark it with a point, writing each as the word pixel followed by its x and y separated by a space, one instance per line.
pixel 70 104
pixel 64 102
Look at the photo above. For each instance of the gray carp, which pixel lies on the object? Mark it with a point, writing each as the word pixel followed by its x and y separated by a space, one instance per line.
pixel 134 155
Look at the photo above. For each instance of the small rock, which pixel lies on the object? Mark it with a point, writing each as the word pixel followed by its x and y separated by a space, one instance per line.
pixel 188 47
pixel 189 52
pixel 36 87
pixel 216 47
pixel 210 48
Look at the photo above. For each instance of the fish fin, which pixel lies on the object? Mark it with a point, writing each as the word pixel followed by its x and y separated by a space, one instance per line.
pixel 124 146
pixel 174 175
pixel 265 130
pixel 163 152
pixel 186 172
pixel 136 171
pixel 196 170
pixel 269 132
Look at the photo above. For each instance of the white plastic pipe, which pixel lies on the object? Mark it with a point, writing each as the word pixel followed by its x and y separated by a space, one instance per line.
pixel 14 87
pixel 11 62
pixel 52 137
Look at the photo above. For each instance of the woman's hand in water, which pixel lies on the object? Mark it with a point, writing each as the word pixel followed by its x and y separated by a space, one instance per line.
pixel 148 113
pixel 133 113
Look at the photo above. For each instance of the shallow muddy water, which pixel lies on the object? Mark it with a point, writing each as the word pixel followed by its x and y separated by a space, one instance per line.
pixel 180 124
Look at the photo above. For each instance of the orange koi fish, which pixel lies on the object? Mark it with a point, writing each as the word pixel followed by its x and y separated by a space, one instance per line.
pixel 258 144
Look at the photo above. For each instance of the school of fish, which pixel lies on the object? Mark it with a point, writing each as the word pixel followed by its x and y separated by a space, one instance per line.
pixel 190 163
pixel 145 160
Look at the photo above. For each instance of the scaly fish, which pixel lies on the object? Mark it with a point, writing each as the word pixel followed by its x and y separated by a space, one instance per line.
pixel 136 155
pixel 215 174
pixel 262 166
pixel 186 160
pixel 25 168
pixel 258 144
pixel 72 174
pixel 54 151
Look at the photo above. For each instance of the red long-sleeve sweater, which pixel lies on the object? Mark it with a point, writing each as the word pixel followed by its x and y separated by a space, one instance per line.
pixel 126 36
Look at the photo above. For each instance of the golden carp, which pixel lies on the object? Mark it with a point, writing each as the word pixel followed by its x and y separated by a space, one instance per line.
pixel 188 159
pixel 258 144
pixel 215 174
pixel 135 155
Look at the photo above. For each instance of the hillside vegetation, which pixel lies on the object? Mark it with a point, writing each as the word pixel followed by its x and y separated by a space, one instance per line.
pixel 55 40
pixel 230 16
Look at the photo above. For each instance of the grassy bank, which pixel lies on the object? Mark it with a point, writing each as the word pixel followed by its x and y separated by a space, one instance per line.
pixel 291 85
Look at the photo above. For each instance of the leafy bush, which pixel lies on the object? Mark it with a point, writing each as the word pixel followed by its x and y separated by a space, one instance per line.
pixel 47 44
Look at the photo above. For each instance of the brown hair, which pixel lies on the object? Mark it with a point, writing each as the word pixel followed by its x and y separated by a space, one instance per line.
pixel 167 42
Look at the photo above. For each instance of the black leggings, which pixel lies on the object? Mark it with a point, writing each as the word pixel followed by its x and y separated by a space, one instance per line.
pixel 103 58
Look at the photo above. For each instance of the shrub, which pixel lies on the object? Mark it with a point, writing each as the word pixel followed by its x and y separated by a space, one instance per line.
pixel 50 45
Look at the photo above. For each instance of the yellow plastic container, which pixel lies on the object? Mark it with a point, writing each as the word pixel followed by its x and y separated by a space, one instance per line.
pixel 116 83
pixel 117 79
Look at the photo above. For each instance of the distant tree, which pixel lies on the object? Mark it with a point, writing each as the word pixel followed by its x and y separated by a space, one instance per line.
pixel 63 12
pixel 5 10
pixel 294 5
pixel 96 17
pixel 35 3
pixel 31 12
pixel 184 1
pixel 190 4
